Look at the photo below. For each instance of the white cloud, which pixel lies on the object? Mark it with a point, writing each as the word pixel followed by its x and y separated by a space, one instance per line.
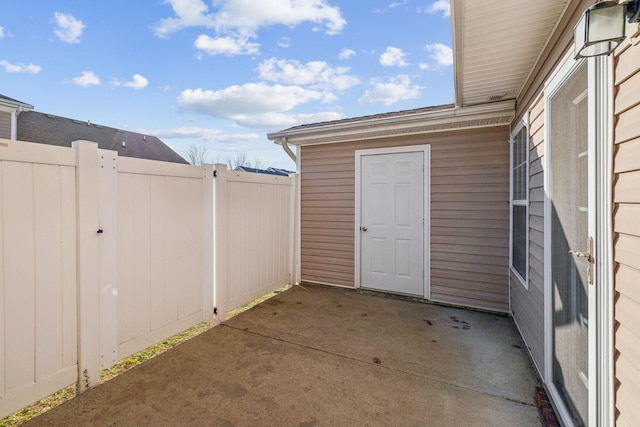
pixel 284 42
pixel 189 13
pixel 278 121
pixel 138 82
pixel 20 68
pixel 1 32
pixel 246 16
pixel 68 29
pixel 346 53
pixel 211 135
pixel 393 57
pixel 441 54
pixel 440 6
pixel 250 98
pixel 395 89
pixel 391 5
pixel 86 79
pixel 397 4
pixel 251 15
pixel 255 105
pixel 316 74
pixel 226 45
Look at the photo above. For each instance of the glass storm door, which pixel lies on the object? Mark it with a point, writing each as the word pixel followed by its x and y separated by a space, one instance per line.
pixel 571 245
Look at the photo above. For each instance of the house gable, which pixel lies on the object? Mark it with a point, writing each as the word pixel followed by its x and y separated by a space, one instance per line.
pixel 9 109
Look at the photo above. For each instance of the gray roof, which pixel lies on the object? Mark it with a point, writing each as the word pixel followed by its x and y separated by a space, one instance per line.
pixel 403 113
pixel 53 130
pixel 268 171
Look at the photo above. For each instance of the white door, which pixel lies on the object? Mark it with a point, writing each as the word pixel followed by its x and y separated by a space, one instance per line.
pixel 392 222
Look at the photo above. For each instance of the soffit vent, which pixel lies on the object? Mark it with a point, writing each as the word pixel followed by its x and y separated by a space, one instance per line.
pixel 497 96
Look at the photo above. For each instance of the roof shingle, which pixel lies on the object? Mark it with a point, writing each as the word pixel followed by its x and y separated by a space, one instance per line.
pixel 53 130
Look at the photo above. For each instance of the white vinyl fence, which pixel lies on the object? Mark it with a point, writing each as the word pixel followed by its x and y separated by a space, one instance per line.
pixel 102 256
pixel 38 329
pixel 255 241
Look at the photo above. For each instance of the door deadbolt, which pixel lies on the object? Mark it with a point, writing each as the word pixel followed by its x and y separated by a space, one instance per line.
pixel 363 229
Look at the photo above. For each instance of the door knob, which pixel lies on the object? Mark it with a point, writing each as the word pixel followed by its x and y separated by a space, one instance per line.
pixel 363 228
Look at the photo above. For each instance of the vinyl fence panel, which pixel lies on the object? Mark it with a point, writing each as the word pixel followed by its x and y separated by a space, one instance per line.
pixel 38 333
pixel 159 255
pixel 256 252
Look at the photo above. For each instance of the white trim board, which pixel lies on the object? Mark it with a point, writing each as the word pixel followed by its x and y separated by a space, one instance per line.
pixel 411 122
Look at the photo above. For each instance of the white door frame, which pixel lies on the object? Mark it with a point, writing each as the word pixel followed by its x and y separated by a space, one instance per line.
pixel 600 135
pixel 426 150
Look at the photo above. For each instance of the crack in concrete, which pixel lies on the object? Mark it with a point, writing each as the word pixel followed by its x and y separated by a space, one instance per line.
pixel 380 365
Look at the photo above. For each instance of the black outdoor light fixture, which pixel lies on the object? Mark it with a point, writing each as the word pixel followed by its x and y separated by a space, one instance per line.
pixel 602 27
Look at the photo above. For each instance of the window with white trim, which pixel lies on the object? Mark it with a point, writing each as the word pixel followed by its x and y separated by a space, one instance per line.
pixel 520 201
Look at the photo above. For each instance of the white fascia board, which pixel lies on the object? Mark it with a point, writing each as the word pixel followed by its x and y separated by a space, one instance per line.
pixel 457 38
pixel 8 108
pixel 11 107
pixel 412 123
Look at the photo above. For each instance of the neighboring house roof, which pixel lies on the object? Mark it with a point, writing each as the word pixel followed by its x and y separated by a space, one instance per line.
pixel 7 103
pixel 268 171
pixel 284 172
pixel 496 45
pixel 398 123
pixel 53 130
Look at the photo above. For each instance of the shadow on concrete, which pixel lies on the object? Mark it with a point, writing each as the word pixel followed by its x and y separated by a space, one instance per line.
pixel 317 356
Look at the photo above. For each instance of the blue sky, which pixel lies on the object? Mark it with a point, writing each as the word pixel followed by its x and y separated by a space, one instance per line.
pixel 223 73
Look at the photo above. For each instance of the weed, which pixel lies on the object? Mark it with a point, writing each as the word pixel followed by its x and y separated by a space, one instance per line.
pixel 124 365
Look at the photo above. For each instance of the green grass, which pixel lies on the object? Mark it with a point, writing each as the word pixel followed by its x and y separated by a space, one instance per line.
pixel 124 365
pixel 255 302
pixel 39 407
pixel 153 351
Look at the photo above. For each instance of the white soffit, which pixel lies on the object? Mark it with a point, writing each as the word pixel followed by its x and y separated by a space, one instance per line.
pixel 497 43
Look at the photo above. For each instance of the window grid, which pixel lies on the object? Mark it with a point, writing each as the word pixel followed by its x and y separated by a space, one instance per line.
pixel 519 202
pixel 520 165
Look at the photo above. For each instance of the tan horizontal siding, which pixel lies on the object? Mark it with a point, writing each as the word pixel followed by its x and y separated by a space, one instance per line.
pixel 626 193
pixel 465 180
pixel 626 156
pixel 627 96
pixel 323 225
pixel 469 213
pixel 475 224
pixel 472 196
pixel 319 197
pixel 5 125
pixel 448 247
pixel 527 308
pixel 470 240
pixel 627 125
pixel 323 210
pixel 527 300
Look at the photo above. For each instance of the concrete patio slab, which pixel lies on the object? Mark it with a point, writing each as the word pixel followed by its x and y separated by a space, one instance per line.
pixel 317 356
